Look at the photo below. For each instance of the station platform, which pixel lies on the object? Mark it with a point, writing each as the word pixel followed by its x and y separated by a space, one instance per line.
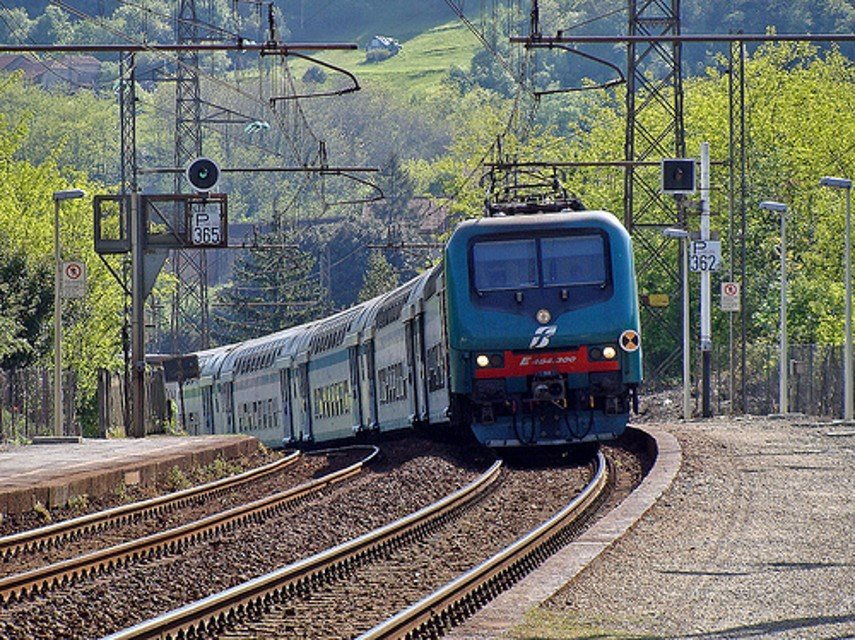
pixel 743 529
pixel 52 472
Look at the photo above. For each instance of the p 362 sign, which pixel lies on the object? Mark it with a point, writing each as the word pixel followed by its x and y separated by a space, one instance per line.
pixel 206 229
pixel 705 255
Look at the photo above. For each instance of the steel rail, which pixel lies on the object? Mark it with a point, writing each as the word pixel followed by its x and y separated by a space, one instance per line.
pixel 213 612
pixel 437 609
pixel 44 537
pixel 171 541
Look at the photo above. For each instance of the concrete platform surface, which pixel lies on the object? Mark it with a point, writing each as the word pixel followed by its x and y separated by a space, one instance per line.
pixel 755 538
pixel 53 473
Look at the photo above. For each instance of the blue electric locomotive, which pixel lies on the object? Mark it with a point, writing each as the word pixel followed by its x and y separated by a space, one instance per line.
pixel 527 334
pixel 543 328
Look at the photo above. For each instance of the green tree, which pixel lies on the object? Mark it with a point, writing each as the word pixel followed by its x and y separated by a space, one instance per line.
pixel 380 277
pixel 92 324
pixel 275 286
pixel 27 295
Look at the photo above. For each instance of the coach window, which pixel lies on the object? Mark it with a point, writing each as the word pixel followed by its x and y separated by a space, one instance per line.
pixel 505 264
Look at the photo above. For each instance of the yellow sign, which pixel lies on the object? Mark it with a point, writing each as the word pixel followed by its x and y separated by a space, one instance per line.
pixel 658 300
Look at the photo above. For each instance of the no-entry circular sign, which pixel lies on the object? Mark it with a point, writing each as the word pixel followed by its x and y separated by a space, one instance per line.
pixel 73 279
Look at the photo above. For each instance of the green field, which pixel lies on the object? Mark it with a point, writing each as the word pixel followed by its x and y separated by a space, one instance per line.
pixel 418 67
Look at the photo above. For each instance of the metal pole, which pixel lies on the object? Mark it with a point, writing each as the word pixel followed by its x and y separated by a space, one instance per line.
pixel 137 319
pixel 784 357
pixel 846 183
pixel 687 356
pixel 847 350
pixel 57 325
pixel 743 235
pixel 706 295
pixel 58 196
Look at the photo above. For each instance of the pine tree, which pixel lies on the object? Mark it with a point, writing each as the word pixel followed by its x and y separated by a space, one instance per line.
pixel 275 286
pixel 380 277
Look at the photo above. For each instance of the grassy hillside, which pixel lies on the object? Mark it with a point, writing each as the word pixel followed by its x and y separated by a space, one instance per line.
pixel 359 20
pixel 420 65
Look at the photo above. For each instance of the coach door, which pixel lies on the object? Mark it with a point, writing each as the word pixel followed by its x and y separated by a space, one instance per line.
pixel 369 384
pixel 208 409
pixel 355 393
pixel 300 402
pixel 414 366
pixel 285 394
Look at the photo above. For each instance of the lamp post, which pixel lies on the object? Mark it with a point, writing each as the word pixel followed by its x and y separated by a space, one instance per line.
pixel 683 236
pixel 846 184
pixel 783 358
pixel 58 196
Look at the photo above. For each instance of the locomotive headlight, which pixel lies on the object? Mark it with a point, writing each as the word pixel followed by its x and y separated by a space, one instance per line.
pixel 543 316
pixel 483 360
pixel 609 353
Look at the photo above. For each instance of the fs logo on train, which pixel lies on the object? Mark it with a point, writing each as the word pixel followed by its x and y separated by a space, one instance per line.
pixel 541 336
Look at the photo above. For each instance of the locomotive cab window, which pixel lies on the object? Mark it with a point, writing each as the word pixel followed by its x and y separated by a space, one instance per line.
pixel 505 264
pixel 571 269
pixel 549 261
pixel 573 260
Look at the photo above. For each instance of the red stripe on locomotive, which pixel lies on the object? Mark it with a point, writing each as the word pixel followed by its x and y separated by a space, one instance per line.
pixel 529 363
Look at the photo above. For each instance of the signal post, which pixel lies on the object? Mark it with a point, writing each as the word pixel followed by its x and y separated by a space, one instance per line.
pixel 158 223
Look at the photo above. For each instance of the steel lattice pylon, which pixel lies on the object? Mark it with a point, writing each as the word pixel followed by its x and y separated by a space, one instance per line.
pixel 654 86
pixel 190 321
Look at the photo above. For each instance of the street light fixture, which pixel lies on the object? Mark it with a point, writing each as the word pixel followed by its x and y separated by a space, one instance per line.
pixel 783 357
pixel 58 196
pixel 683 236
pixel 846 184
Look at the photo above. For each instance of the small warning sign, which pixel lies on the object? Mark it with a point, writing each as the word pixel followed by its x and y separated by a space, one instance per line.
pixel 730 296
pixel 73 283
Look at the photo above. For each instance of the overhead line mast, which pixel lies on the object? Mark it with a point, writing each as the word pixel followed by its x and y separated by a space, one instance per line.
pixel 189 325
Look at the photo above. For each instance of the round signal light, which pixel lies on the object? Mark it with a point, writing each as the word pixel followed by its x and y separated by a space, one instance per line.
pixel 482 360
pixel 543 316
pixel 497 360
pixel 609 353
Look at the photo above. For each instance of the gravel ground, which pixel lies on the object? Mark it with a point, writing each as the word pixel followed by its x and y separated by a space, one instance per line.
pixel 410 474
pixel 753 540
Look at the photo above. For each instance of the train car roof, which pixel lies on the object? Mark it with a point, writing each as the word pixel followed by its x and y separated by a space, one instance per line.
pixel 558 219
pixel 211 360
pixel 258 353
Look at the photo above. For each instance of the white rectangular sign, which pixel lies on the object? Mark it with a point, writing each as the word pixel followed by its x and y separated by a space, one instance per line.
pixel 730 296
pixel 705 255
pixel 73 281
pixel 205 229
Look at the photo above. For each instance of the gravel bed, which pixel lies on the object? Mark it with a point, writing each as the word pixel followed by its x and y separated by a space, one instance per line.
pixel 298 473
pixel 754 539
pixel 375 592
pixel 412 474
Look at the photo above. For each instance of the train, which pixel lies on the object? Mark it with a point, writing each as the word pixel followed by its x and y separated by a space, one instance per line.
pixel 526 334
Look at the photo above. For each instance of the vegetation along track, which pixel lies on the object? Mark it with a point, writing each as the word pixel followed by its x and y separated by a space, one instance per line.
pixel 344 591
pixel 198 512
pixel 407 477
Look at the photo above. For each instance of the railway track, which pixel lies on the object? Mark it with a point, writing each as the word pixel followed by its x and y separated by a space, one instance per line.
pixel 276 590
pixel 455 601
pixel 43 538
pixel 21 585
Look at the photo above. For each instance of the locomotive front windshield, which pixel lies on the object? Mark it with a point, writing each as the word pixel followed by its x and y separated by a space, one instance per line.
pixel 565 261
pixel 505 264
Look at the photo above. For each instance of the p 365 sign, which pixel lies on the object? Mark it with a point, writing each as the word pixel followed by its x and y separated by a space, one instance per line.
pixel 705 255
pixel 207 229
